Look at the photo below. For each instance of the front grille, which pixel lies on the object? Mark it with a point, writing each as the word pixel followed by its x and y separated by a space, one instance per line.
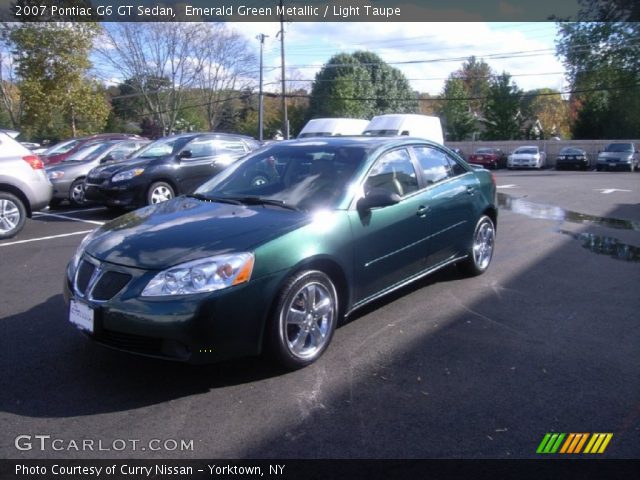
pixel 109 284
pixel 99 282
pixel 130 342
pixel 85 271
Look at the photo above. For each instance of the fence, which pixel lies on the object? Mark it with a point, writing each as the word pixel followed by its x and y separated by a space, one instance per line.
pixel 551 147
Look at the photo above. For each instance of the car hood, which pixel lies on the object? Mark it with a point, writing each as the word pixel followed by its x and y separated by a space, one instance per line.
pixel 184 229
pixel 112 168
pixel 523 155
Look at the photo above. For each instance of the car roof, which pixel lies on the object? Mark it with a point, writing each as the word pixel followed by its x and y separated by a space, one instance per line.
pixel 357 140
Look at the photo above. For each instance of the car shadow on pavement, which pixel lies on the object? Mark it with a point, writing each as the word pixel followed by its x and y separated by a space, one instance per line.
pixel 60 373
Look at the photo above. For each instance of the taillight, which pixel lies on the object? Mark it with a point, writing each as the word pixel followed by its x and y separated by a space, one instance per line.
pixel 34 161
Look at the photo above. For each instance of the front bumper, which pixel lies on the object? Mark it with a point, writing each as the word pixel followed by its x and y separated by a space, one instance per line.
pixel 61 189
pixel 572 163
pixel 128 194
pixel 201 328
pixel 618 165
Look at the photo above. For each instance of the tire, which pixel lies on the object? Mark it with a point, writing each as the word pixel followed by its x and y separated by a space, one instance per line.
pixel 300 330
pixel 482 248
pixel 598 169
pixel 13 214
pixel 76 193
pixel 159 192
pixel 632 167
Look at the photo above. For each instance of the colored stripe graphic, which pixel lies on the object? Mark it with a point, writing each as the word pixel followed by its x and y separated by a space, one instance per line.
pixel 574 443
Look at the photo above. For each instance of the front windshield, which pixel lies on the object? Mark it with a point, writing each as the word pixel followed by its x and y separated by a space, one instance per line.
pixel 485 150
pixel 526 150
pixel 162 147
pixel 89 152
pixel 62 147
pixel 306 176
pixel 618 147
pixel 571 151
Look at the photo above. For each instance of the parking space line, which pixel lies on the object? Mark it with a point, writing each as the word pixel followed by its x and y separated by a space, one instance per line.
pixel 45 238
pixel 56 215
pixel 65 212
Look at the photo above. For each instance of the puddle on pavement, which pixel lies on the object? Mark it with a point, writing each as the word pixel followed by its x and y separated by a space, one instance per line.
pixel 599 244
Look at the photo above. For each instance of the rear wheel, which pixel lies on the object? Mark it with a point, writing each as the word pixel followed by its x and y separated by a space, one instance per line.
pixel 304 319
pixel 482 246
pixel 13 214
pixel 159 192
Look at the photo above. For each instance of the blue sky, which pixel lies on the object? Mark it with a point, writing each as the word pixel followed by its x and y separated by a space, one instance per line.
pixel 526 50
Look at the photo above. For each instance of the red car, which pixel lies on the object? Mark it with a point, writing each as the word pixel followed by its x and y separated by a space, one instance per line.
pixel 62 150
pixel 489 158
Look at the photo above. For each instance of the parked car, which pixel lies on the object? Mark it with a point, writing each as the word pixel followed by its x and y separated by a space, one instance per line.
pixel 237 268
pixel 166 168
pixel 527 157
pixel 572 157
pixel 58 152
pixel 69 175
pixel 618 156
pixel 24 187
pixel 489 157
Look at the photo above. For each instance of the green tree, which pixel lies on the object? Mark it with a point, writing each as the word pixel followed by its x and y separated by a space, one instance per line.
pixel 458 120
pixel 476 76
pixel 502 111
pixel 360 85
pixel 603 65
pixel 52 61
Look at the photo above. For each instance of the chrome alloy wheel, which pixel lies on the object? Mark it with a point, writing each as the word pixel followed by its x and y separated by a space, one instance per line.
pixel 161 193
pixel 308 319
pixel 483 242
pixel 9 216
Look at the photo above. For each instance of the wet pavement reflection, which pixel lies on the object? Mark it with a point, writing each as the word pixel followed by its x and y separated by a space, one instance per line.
pixel 599 244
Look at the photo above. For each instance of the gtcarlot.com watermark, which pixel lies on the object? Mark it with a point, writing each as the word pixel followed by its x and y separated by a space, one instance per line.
pixel 45 443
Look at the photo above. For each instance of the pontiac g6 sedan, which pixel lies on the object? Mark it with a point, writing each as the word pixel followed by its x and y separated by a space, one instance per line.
pixel 240 267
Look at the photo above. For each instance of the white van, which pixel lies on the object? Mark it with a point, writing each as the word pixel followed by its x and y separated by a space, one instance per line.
pixel 331 127
pixel 421 126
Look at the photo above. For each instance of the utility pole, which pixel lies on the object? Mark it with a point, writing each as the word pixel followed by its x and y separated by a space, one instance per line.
pixel 285 119
pixel 261 37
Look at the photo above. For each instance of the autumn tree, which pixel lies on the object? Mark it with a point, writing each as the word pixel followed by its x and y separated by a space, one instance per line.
pixel 476 77
pixel 52 64
pixel 550 109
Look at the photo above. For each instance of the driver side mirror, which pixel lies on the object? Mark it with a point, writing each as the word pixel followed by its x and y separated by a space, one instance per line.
pixel 375 198
pixel 185 154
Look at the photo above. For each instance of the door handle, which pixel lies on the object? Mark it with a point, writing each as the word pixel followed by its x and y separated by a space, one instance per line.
pixel 422 211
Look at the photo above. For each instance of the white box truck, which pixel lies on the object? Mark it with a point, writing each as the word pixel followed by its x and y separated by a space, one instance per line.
pixel 331 127
pixel 421 126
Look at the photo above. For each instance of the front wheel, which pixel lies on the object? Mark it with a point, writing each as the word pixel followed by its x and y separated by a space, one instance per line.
pixel 159 192
pixel 13 214
pixel 482 246
pixel 304 319
pixel 76 193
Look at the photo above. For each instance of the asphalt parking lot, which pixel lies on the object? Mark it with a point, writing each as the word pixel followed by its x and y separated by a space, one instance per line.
pixel 546 341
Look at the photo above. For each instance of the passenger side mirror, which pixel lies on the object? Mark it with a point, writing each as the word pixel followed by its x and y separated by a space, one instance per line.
pixel 375 198
pixel 107 158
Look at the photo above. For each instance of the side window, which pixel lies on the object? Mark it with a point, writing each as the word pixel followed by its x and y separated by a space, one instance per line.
pixel 393 172
pixel 230 147
pixel 436 165
pixel 203 147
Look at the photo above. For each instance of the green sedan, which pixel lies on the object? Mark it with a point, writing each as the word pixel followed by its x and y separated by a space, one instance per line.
pixel 242 267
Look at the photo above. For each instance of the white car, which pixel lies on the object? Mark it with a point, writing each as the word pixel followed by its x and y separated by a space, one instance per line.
pixel 527 157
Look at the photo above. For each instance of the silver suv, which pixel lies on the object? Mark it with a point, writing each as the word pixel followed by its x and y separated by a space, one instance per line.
pixel 24 186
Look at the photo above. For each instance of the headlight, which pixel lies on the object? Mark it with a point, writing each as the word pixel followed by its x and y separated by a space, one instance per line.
pixel 56 174
pixel 80 250
pixel 127 175
pixel 203 275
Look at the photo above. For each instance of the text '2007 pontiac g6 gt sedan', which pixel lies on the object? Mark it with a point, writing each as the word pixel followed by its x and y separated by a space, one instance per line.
pixel 241 267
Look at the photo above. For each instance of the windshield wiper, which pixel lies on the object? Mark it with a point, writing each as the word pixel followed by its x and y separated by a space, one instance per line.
pixel 208 198
pixel 265 201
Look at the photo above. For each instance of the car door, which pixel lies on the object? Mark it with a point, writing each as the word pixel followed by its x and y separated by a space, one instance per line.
pixel 450 194
pixel 195 163
pixel 389 242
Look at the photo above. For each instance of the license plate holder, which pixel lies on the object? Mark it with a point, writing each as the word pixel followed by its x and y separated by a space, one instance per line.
pixel 81 315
